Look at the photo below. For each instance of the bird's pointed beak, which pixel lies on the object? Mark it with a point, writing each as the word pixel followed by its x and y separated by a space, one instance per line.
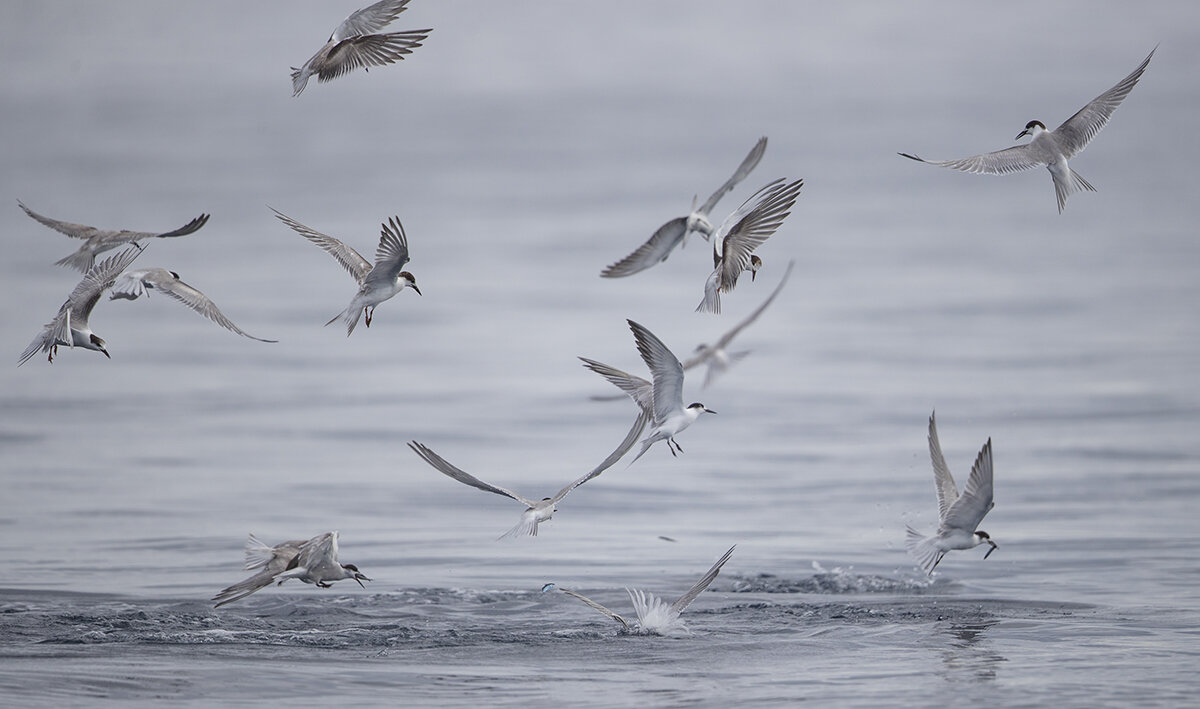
pixel 753 275
pixel 360 578
pixel 106 354
pixel 1022 134
pixel 710 411
pixel 418 290
pixel 989 551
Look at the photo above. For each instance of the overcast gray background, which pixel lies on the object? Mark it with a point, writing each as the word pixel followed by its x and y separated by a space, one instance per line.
pixel 526 146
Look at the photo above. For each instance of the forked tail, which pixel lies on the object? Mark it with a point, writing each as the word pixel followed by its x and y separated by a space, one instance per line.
pixel 923 549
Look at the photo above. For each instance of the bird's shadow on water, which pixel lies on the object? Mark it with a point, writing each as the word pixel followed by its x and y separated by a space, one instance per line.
pixel 966 652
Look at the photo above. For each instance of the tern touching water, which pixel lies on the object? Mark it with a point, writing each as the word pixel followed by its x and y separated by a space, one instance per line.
pixel 958 515
pixel 660 400
pixel 673 233
pixel 354 44
pixel 314 561
pixel 743 232
pixel 70 326
pixel 536 511
pixel 375 283
pixel 97 241
pixel 1052 148
pixel 654 616
pixel 133 284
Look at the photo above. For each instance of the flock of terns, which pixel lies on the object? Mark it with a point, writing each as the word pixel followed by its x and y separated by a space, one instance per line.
pixel 357 42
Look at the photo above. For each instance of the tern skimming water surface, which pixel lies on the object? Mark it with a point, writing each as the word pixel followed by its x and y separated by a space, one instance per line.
pixel 660 400
pixel 376 283
pixel 654 615
pixel 97 241
pixel 314 561
pixel 958 515
pixel 133 284
pixel 743 232
pixel 537 511
pixel 70 326
pixel 355 44
pixel 674 232
pixel 1052 148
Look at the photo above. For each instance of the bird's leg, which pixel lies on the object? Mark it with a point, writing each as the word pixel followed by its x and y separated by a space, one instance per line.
pixel 368 312
pixel 677 446
pixel 53 351
pixel 322 584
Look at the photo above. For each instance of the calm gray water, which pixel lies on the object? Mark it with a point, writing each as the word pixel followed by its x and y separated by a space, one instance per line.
pixel 525 147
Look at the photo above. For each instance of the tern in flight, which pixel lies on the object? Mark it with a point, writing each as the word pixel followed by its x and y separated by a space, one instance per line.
pixel 673 233
pixel 958 515
pixel 70 326
pixel 654 615
pixel 660 400
pixel 743 232
pixel 376 283
pixel 133 284
pixel 355 44
pixel 97 241
pixel 537 511
pixel 717 355
pixel 314 561
pixel 1052 148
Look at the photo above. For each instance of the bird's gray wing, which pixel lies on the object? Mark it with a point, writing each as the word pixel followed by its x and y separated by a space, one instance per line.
pixel 189 228
pixel 366 51
pixel 635 431
pixel 392 253
pixel 317 556
pixel 1078 130
pixel 351 260
pixel 656 249
pixel 370 19
pixel 733 332
pixel 686 599
pixel 97 280
pixel 640 390
pixel 461 475
pixel 947 491
pixel 748 164
pixel 596 606
pixel 753 229
pixel 78 231
pixel 665 369
pixel 976 498
pixel 164 281
pixel 240 590
pixel 1002 162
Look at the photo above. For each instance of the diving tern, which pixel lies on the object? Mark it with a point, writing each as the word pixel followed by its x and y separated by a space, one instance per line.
pixel 70 326
pixel 743 232
pixel 355 44
pixel 97 241
pixel 674 232
pixel 133 284
pixel 660 400
pixel 654 616
pixel 958 515
pixel 536 511
pixel 375 283
pixel 314 561
pixel 1052 148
